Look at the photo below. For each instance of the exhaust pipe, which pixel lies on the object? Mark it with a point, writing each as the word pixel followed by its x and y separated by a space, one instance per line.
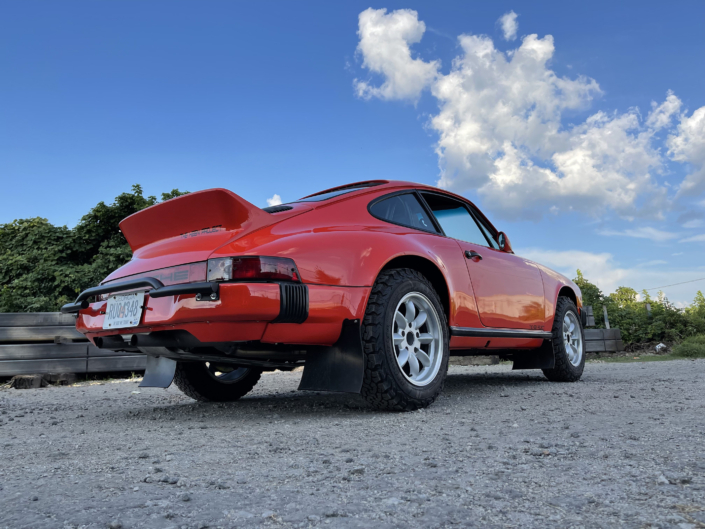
pixel 114 343
pixel 166 339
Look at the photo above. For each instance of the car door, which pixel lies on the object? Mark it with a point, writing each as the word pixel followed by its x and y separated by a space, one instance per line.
pixel 508 289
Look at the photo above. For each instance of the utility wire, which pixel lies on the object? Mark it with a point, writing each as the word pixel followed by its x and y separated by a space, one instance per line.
pixel 674 284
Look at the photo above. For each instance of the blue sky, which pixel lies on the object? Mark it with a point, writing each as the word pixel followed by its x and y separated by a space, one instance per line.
pixel 267 98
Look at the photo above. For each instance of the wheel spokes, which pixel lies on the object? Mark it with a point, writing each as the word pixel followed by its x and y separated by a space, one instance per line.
pixel 401 320
pixel 423 358
pixel 403 357
pixel 425 337
pixel 413 364
pixel 397 339
pixel 420 319
pixel 410 311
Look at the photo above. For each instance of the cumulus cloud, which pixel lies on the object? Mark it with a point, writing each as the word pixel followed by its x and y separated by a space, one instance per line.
pixel 274 201
pixel 695 238
pixel 508 23
pixel 645 232
pixel 384 47
pixel 687 144
pixel 603 270
pixel 502 128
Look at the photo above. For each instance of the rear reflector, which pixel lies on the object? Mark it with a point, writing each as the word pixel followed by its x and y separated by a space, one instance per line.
pixel 252 269
pixel 175 275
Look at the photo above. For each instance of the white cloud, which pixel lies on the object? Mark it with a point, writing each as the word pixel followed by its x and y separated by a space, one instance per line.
pixel 502 127
pixel 274 201
pixel 643 233
pixel 661 115
pixel 602 270
pixel 384 46
pixel 695 238
pixel 509 25
pixel 695 223
pixel 687 144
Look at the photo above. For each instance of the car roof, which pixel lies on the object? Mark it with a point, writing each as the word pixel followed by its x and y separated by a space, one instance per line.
pixel 367 186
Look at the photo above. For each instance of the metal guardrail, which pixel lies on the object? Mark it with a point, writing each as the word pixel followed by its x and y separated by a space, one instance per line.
pixel 38 343
pixel 603 341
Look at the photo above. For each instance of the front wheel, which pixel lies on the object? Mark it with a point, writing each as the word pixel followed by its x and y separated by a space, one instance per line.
pixel 405 342
pixel 568 343
pixel 206 381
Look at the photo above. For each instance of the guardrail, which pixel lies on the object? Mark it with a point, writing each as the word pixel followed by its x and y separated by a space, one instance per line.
pixel 38 343
pixel 603 341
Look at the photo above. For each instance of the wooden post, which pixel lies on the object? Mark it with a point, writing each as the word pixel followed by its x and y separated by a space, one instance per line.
pixel 607 321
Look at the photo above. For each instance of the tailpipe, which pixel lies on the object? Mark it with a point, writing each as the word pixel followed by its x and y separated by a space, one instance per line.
pixel 173 340
pixel 114 343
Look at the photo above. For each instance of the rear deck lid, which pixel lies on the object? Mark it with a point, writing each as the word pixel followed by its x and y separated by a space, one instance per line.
pixel 187 229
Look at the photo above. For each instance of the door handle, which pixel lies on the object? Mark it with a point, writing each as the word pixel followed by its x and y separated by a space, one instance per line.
pixel 472 255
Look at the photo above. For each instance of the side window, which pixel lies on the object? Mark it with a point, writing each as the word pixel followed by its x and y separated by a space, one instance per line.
pixel 455 219
pixel 486 230
pixel 403 209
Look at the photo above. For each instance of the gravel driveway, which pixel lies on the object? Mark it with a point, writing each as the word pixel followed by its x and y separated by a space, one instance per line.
pixel 499 449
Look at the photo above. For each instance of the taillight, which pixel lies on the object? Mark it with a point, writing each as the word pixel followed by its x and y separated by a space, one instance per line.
pixel 252 269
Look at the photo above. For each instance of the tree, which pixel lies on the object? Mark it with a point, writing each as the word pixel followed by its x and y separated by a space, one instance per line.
pixel 624 296
pixel 43 266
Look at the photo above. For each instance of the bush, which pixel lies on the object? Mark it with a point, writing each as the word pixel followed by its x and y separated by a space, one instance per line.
pixel 43 266
pixel 693 347
pixel 627 312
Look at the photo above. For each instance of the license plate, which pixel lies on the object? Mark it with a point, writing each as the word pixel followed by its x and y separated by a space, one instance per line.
pixel 123 310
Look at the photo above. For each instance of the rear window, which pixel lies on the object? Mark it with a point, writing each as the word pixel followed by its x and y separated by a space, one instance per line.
pixel 404 210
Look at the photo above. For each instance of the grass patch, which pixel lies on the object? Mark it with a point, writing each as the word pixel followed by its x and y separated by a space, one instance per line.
pixel 635 359
pixel 693 347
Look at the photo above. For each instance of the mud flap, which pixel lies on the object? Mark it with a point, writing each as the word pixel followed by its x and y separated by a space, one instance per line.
pixel 339 367
pixel 159 373
pixel 541 358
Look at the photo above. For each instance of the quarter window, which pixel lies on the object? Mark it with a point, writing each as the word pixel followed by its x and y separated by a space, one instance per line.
pixel 404 210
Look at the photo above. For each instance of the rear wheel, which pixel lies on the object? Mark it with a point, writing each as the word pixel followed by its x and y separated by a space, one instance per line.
pixel 568 343
pixel 206 381
pixel 405 342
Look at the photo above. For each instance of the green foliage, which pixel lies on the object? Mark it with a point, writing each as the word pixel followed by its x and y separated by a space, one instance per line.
pixel 627 311
pixel 692 347
pixel 43 266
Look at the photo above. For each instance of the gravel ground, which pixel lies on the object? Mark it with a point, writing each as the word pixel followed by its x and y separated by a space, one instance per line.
pixel 623 447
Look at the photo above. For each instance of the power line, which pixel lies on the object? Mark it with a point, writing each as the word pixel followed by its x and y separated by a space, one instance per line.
pixel 674 284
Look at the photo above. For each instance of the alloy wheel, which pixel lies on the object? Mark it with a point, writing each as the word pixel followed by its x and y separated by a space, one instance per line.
pixel 416 337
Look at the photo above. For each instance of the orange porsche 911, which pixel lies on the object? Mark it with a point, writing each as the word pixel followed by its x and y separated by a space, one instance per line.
pixel 371 287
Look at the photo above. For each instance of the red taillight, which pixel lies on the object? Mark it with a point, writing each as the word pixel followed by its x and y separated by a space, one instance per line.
pixel 252 269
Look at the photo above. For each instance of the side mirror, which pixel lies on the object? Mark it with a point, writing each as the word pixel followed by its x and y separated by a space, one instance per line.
pixel 504 243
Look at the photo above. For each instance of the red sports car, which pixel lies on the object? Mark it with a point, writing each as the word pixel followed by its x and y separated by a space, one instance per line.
pixel 370 286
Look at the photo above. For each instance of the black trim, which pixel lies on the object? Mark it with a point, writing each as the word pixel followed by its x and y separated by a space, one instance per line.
pixel 158 291
pixel 499 333
pixel 277 209
pixel 205 289
pixel 293 303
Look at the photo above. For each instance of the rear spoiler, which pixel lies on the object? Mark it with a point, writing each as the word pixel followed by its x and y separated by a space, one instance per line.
pixel 189 215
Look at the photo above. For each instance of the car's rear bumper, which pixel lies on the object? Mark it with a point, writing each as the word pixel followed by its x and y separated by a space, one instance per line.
pixel 241 312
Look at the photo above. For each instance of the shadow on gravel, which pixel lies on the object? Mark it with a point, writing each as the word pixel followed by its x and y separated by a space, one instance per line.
pixel 291 405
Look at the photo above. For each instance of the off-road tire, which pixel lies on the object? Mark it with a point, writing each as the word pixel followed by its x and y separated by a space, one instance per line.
pixel 384 387
pixel 195 381
pixel 564 371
